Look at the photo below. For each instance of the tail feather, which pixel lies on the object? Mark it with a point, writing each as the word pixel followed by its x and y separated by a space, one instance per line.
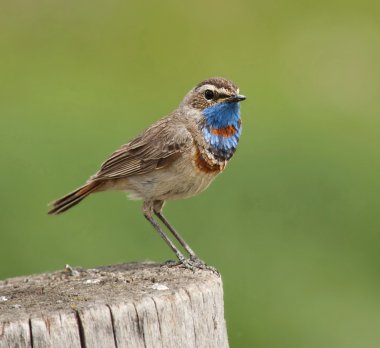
pixel 73 198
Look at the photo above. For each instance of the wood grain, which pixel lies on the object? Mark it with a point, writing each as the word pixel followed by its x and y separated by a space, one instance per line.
pixel 128 305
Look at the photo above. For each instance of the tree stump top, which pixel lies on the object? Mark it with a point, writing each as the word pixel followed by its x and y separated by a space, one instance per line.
pixel 126 305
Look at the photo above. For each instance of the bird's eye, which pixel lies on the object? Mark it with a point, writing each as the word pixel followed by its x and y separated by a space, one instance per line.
pixel 209 94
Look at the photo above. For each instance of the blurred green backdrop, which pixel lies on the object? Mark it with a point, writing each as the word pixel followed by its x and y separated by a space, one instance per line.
pixel 293 224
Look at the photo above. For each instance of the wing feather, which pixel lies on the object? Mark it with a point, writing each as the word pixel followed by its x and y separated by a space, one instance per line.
pixel 157 147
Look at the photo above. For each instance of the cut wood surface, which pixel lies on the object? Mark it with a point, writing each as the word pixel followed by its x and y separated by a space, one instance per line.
pixel 126 305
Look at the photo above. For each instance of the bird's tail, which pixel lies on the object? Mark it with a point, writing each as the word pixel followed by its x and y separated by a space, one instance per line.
pixel 73 198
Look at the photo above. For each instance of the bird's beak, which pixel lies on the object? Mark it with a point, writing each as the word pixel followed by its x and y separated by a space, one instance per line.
pixel 236 98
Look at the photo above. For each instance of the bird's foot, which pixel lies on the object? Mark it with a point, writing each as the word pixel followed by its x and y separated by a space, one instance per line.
pixel 195 263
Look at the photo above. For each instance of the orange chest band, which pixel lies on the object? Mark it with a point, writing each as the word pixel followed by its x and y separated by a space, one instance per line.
pixel 224 132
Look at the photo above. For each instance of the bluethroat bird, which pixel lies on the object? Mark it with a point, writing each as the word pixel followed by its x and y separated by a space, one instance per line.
pixel 176 157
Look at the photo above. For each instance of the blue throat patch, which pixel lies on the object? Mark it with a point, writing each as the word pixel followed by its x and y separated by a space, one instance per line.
pixel 220 116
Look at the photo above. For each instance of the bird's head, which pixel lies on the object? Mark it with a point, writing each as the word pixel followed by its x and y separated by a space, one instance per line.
pixel 217 100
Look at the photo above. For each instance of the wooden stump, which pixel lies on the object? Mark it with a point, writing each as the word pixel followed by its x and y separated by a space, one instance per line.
pixel 127 305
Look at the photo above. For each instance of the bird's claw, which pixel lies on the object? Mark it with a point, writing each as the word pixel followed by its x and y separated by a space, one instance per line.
pixel 195 263
pixel 192 263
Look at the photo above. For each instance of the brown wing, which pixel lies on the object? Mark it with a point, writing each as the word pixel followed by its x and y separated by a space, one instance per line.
pixel 157 147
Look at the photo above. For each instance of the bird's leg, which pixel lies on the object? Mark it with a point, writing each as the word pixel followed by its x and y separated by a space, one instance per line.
pixel 177 235
pixel 148 215
pixel 157 208
pixel 194 262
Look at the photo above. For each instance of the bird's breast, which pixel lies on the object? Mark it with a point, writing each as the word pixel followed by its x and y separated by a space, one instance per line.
pixel 206 163
pixel 221 142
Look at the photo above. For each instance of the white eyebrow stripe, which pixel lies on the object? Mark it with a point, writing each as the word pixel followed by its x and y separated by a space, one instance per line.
pixel 224 91
pixel 220 90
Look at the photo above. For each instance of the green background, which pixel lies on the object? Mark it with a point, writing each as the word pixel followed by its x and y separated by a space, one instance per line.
pixel 292 224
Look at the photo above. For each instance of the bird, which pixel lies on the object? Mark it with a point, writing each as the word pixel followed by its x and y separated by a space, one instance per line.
pixel 176 157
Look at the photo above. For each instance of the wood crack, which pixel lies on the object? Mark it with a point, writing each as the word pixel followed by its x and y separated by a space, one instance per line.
pixel 80 329
pixel 113 325
pixel 158 318
pixel 30 332
pixel 139 325
pixel 192 309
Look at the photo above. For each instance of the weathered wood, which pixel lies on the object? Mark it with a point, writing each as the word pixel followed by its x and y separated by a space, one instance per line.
pixel 127 305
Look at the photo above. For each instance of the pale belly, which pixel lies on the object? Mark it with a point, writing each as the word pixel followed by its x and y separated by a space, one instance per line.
pixel 181 180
